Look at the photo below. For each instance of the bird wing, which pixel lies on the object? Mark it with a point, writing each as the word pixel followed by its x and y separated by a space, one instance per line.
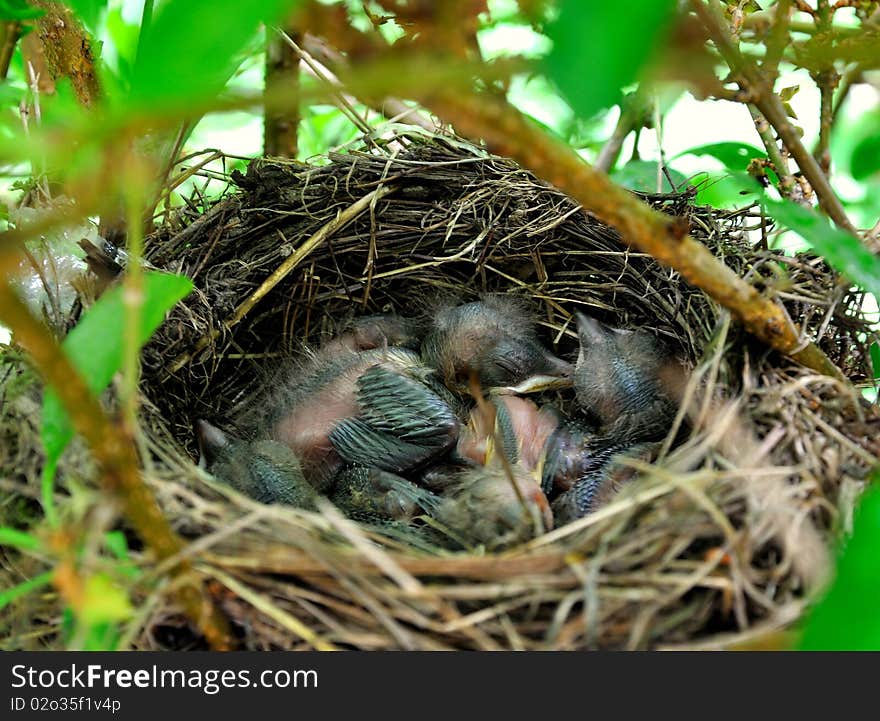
pixel 406 408
pixel 358 442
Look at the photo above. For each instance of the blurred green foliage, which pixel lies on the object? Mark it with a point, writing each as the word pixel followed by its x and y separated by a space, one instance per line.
pixel 191 49
pixel 866 157
pixel 18 10
pixel 842 250
pixel 19 539
pixel 648 177
pixel 848 617
pixel 8 595
pixel 598 50
pixel 95 348
pixel 89 11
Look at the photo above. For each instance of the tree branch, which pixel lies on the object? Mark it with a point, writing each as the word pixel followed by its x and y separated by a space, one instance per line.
pixel 388 106
pixel 826 80
pixel 282 71
pixel 753 82
pixel 777 39
pixel 10 32
pixel 634 115
pixel 787 183
pixel 68 49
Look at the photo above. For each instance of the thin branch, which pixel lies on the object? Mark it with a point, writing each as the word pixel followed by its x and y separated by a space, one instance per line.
pixel 752 81
pixel 133 287
pixel 761 20
pixel 280 129
pixel 633 116
pixel 852 75
pixel 344 103
pixel 10 32
pixel 826 80
pixel 388 106
pixel 787 183
pixel 777 40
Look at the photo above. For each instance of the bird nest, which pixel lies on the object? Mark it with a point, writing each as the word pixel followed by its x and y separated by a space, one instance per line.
pixel 720 540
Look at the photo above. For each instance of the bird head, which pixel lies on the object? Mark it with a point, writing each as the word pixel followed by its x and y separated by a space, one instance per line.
pixel 620 372
pixel 494 340
pixel 265 470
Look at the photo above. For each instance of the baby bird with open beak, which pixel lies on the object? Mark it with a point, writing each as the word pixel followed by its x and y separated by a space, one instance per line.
pixel 627 380
pixel 494 339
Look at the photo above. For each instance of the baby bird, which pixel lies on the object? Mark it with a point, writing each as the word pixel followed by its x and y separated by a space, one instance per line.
pixel 522 429
pixel 495 506
pixel 626 379
pixel 494 498
pixel 379 408
pixel 494 340
pixel 267 471
pixel 599 485
pixel 375 496
pixel 376 331
pixel 557 450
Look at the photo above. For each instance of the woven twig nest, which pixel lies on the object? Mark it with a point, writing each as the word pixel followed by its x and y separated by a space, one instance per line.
pixel 723 537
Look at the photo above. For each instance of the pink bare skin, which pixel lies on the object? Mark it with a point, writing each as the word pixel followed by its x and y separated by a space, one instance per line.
pixel 531 426
pixel 305 427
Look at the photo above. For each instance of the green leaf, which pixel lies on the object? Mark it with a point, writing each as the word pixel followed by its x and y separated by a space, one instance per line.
pixel 19 539
pixel 641 175
pixel 866 157
pixel 94 347
pixel 848 617
pixel 88 10
pixel 731 189
pixel 8 595
pixel 191 48
pixel 103 601
pixel 788 93
pixel 19 10
pixel 599 48
pixel 734 155
pixel 842 250
pixel 117 544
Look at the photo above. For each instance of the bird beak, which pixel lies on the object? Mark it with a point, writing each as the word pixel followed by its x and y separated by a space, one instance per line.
pixel 538 383
pixel 590 330
pixel 212 441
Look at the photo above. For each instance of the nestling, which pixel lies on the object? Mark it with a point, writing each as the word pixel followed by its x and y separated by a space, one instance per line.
pixel 495 340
